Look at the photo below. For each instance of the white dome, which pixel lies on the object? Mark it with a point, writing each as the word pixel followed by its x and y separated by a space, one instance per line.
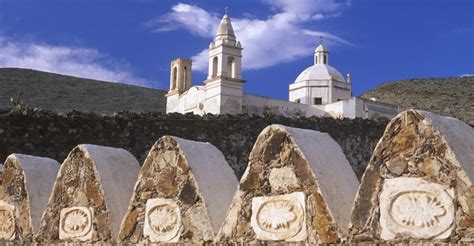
pixel 320 71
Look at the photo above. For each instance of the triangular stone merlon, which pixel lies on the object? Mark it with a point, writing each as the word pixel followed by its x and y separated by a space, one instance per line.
pixel 90 196
pixel 285 174
pixel 25 185
pixel 418 184
pixel 189 184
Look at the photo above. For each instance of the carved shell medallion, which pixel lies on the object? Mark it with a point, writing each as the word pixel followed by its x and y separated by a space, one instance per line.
pixel 415 208
pixel 75 223
pixel 7 221
pixel 162 220
pixel 279 217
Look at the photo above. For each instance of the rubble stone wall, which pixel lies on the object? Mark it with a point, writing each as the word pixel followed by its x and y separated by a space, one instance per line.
pixel 54 135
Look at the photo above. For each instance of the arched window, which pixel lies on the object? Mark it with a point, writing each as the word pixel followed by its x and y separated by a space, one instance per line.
pixel 231 67
pixel 173 78
pixel 185 76
pixel 214 67
pixel 325 59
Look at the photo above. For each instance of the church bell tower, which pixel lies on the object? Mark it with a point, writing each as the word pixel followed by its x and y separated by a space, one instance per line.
pixel 224 82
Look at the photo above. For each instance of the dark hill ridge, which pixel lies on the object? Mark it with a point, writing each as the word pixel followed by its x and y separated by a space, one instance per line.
pixel 62 93
pixel 445 96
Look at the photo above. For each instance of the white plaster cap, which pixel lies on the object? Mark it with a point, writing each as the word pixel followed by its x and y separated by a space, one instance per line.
pixel 460 138
pixel 321 48
pixel 320 72
pixel 225 29
pixel 215 178
pixel 40 174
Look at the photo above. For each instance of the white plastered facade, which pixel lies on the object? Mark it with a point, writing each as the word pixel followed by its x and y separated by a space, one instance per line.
pixel 320 90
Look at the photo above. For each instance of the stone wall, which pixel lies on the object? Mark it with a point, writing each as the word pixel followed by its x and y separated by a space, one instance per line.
pixel 54 135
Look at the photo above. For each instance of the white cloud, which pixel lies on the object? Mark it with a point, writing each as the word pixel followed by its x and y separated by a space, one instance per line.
pixel 317 17
pixel 467 75
pixel 195 19
pixel 73 61
pixel 304 9
pixel 277 39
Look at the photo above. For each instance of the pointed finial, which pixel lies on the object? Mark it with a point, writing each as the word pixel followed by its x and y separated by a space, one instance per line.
pixel 320 39
pixel 226 8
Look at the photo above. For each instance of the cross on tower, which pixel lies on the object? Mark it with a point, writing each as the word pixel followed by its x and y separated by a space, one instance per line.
pixel 226 8
pixel 320 39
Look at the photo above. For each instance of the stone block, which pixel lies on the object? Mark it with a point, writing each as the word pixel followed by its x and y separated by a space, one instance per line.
pixel 90 196
pixel 26 185
pixel 298 187
pixel 181 196
pixel 418 185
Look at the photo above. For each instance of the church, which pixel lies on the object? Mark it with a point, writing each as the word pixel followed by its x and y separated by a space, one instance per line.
pixel 319 90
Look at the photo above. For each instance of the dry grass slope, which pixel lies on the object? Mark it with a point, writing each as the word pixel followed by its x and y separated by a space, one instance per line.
pixel 61 93
pixel 445 96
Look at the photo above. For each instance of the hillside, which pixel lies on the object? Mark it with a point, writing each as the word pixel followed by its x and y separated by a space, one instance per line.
pixel 445 96
pixel 61 93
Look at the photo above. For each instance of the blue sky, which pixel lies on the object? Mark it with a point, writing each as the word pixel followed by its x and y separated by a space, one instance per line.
pixel 134 41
